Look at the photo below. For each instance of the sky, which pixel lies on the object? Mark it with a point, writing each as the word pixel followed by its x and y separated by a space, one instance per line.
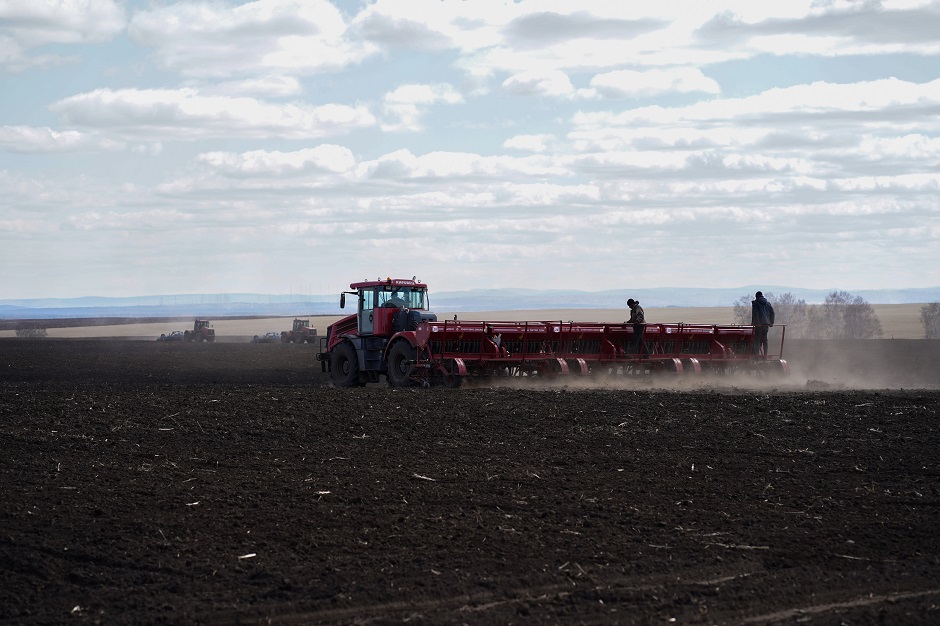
pixel 296 146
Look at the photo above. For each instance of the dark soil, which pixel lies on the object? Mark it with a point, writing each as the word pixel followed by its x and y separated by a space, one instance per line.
pixel 148 483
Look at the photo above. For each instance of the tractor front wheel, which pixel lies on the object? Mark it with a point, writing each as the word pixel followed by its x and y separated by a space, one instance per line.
pixel 344 366
pixel 400 365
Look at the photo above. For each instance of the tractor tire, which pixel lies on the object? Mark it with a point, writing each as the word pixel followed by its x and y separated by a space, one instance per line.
pixel 187 336
pixel 344 366
pixel 400 365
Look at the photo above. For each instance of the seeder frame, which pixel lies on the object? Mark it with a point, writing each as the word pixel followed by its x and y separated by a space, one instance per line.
pixel 482 349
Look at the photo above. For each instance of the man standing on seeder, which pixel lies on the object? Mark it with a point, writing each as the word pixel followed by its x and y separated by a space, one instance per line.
pixel 762 319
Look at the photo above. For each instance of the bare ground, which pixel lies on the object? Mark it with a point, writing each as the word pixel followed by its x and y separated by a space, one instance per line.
pixel 154 483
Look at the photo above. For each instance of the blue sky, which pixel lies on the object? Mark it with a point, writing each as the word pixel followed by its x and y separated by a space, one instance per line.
pixel 295 146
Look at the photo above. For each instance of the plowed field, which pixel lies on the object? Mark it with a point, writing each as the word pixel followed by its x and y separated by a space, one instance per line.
pixel 148 483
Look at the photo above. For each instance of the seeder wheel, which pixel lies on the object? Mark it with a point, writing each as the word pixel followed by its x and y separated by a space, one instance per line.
pixel 449 376
pixel 667 366
pixel 774 369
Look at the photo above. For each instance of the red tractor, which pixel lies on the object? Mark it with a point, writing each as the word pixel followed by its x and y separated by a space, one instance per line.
pixel 300 333
pixel 357 348
pixel 202 331
pixel 394 334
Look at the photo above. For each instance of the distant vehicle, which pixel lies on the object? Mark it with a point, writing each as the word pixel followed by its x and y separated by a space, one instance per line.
pixel 299 333
pixel 202 331
pixel 267 338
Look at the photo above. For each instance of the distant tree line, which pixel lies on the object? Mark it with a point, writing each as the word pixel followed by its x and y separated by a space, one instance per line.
pixel 841 316
pixel 930 316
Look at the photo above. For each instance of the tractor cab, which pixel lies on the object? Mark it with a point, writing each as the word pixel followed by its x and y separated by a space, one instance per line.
pixel 388 306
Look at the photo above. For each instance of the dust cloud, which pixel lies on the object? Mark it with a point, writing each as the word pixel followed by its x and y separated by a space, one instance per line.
pixel 815 365
pixel 866 363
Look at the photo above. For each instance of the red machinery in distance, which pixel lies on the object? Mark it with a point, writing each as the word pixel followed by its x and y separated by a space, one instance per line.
pixel 202 331
pixel 394 334
pixel 300 332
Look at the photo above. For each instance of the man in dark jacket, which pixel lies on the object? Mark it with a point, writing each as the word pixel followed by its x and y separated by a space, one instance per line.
pixel 638 319
pixel 762 318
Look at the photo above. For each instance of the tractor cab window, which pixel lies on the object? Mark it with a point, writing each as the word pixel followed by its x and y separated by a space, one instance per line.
pixel 401 297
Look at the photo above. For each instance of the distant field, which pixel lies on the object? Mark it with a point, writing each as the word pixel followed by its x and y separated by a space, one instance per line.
pixel 898 321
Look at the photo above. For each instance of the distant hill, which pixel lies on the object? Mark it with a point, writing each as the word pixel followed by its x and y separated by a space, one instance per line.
pixel 273 305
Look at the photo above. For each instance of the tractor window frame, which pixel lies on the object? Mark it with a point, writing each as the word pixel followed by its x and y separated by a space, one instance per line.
pixel 415 298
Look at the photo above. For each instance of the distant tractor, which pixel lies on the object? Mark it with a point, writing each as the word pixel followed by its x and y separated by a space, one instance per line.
pixel 202 331
pixel 300 333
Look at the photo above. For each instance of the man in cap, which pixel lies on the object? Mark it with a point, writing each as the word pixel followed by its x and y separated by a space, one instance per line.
pixel 638 319
pixel 762 318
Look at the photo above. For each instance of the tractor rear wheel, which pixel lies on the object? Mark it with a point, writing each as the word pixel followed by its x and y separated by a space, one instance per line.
pixel 344 366
pixel 400 365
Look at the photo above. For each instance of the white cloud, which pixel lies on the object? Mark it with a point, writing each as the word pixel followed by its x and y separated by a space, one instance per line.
pixel 596 136
pixel 435 24
pixel 927 182
pixel 28 25
pixel 837 100
pixel 154 220
pixel 185 114
pixel 406 104
pixel 827 28
pixel 40 22
pixel 914 146
pixel 30 139
pixel 402 164
pixel 539 83
pixel 266 86
pixel 423 94
pixel 632 83
pixel 326 157
pixel 529 143
pixel 537 194
pixel 282 36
